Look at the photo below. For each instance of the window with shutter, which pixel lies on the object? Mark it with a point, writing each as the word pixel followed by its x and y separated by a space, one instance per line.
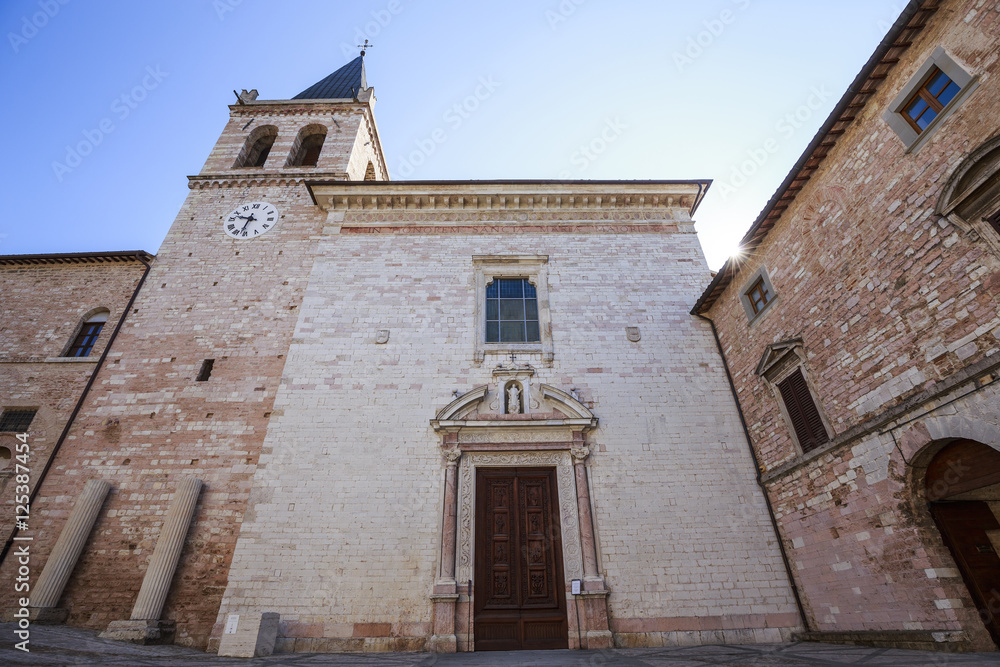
pixel 994 221
pixel 802 411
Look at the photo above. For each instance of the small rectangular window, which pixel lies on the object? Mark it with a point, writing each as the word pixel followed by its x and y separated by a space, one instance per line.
pixel 16 421
pixel 85 340
pixel 759 295
pixel 808 425
pixel 206 370
pixel 935 93
pixel 511 311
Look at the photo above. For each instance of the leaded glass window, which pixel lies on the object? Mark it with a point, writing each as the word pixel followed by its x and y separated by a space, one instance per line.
pixel 511 311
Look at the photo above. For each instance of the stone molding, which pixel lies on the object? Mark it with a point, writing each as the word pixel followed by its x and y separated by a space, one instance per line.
pixel 576 419
pixel 883 420
pixel 675 200
pixel 245 178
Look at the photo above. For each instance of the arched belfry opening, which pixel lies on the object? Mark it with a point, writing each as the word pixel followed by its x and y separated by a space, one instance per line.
pixel 307 147
pixel 962 486
pixel 257 147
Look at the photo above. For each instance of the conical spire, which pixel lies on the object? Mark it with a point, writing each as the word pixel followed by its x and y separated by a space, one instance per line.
pixel 345 83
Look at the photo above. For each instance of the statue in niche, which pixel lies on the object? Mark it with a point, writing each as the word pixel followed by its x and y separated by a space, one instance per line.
pixel 513 399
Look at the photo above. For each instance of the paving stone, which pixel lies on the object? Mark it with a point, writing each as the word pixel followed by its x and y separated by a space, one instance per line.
pixel 63 645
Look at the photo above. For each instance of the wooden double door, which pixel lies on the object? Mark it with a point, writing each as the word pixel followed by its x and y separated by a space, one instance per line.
pixel 520 597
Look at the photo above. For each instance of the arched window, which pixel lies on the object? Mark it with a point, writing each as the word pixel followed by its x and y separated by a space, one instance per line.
pixel 87 335
pixel 370 172
pixel 971 197
pixel 257 147
pixel 308 144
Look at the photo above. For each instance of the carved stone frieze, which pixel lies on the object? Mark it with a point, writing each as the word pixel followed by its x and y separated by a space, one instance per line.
pixel 509 435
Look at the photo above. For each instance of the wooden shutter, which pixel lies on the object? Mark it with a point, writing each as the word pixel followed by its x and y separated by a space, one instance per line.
pixel 802 411
pixel 994 221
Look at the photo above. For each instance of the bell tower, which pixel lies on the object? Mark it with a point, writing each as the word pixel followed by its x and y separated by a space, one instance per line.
pixel 188 393
pixel 326 132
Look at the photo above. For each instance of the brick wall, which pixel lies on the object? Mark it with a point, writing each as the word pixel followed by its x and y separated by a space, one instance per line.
pixel 41 311
pixel 892 304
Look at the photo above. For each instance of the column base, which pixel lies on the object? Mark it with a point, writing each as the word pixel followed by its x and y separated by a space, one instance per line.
pixel 444 639
pixel 596 629
pixel 47 615
pixel 141 632
pixel 598 640
pixel 443 644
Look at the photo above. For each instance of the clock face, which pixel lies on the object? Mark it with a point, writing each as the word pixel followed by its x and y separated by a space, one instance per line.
pixel 250 220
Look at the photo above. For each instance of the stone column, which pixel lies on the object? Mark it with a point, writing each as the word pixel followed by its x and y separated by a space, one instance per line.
pixel 144 626
pixel 595 627
pixel 589 545
pixel 58 568
pixel 445 594
pixel 450 515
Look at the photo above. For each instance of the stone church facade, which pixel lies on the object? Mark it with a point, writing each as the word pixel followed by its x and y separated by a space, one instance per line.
pixel 357 414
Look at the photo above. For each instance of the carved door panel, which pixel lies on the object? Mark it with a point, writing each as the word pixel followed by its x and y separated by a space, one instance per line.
pixel 520 597
pixel 963 526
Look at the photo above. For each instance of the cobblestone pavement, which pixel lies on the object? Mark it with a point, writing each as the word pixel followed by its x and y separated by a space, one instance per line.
pixel 74 646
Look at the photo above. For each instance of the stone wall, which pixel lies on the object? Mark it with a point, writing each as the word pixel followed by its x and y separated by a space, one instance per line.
pixel 42 308
pixel 342 537
pixel 898 311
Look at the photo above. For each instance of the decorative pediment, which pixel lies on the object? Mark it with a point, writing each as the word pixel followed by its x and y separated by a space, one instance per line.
pixel 554 413
pixel 778 356
pixel 461 404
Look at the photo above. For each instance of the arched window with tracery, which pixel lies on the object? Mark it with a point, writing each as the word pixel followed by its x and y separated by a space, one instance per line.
pixel 257 147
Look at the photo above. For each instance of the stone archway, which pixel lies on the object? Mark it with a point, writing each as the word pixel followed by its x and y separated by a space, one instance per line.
pixel 962 486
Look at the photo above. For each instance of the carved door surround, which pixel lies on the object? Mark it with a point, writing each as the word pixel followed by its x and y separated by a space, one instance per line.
pixel 477 432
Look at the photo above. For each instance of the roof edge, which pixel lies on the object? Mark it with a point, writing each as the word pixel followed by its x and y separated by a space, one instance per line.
pixel 751 240
pixel 79 257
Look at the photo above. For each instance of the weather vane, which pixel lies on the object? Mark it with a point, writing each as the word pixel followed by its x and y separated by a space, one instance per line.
pixel 365 46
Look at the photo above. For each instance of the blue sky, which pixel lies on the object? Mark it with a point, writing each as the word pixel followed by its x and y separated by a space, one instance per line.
pixel 111 105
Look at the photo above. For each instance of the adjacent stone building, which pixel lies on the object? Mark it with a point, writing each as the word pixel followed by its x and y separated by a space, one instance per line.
pixel 475 415
pixel 861 329
pixel 57 316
